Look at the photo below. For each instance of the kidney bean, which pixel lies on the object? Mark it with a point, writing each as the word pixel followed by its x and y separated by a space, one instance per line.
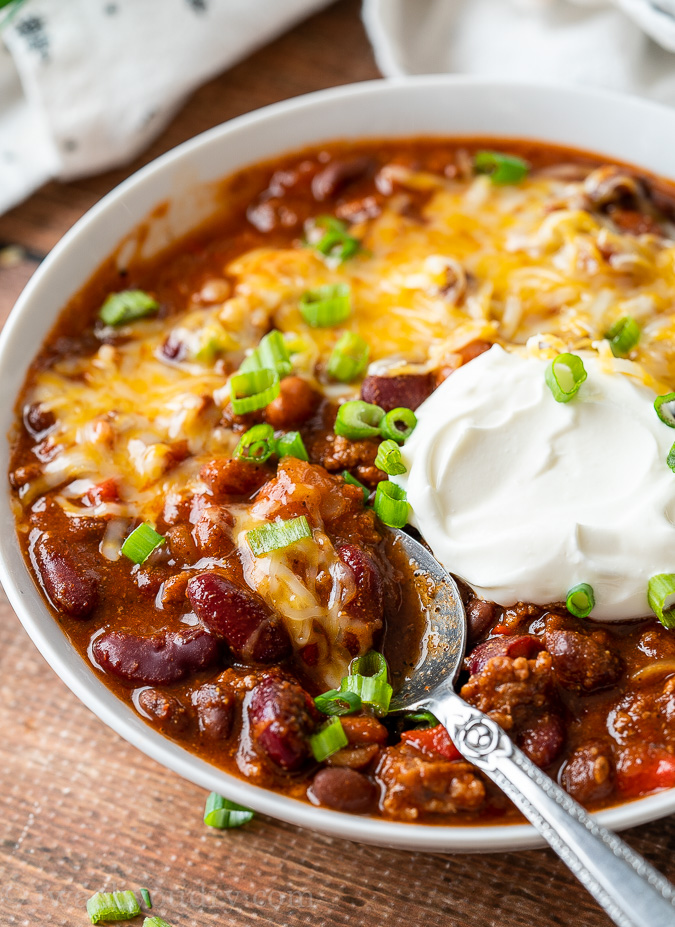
pixel 296 403
pixel 181 544
pixel 72 588
pixel 233 477
pixel 163 710
pixel 344 790
pixel 479 616
pixel 408 390
pixel 368 601
pixel 282 716
pixel 156 660
pixel 364 729
pixel 241 618
pixel 543 740
pixel 354 757
pixel 582 663
pixel 215 710
pixel 340 174
pixel 37 420
pixel 589 773
pixel 507 645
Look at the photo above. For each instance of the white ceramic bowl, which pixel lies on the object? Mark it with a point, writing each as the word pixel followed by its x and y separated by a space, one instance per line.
pixel 621 128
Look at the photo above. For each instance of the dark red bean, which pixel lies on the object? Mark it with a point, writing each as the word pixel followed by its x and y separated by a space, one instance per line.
pixel 340 174
pixel 406 391
pixel 71 587
pixel 508 645
pixel 241 618
pixel 156 660
pixel 215 711
pixel 589 773
pixel 282 717
pixel 37 420
pixel 165 711
pixel 543 740
pixel 368 601
pixel 296 403
pixel 344 790
pixel 582 663
pixel 479 616
pixel 233 477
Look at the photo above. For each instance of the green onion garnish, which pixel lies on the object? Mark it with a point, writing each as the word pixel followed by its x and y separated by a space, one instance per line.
pixel 398 424
pixel 336 241
pixel 662 404
pixel 335 702
pixel 147 900
pixel 502 168
pixel 127 306
pixel 391 504
pixel 141 543
pixel 253 389
pixel 358 419
pixel 272 353
pixel 423 717
pixel 348 478
pixel 580 600
pixel 326 306
pixel 368 679
pixel 564 375
pixel 257 444
pixel 661 588
pixel 623 336
pixel 278 534
pixel 349 358
pixel 155 922
pixel 328 740
pixel 670 459
pixel 112 906
pixel 292 445
pixel 389 458
pixel 224 814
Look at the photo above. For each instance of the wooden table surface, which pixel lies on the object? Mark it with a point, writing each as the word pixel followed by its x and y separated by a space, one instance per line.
pixel 82 811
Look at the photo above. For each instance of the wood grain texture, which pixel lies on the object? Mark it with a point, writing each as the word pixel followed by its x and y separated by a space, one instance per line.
pixel 82 811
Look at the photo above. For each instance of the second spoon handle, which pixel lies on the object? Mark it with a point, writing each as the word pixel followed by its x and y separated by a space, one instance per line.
pixel 630 890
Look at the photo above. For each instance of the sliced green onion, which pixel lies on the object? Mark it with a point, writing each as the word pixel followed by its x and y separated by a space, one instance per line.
pixel 564 375
pixel 328 740
pixel 665 412
pixel 112 906
pixel 398 424
pixel 155 922
pixel 348 478
pixel 660 589
pixel 141 543
pixel 423 717
pixel 272 353
pixel 391 504
pixel 358 419
pixel 368 679
pixel 389 458
pixel 326 306
pixel 349 358
pixel 147 900
pixel 127 306
pixel 335 702
pixel 256 444
pixel 253 389
pixel 502 168
pixel 670 459
pixel 336 241
pixel 292 445
pixel 278 534
pixel 580 600
pixel 224 814
pixel 623 336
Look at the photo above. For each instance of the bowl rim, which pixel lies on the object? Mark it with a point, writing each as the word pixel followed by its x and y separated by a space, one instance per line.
pixel 118 715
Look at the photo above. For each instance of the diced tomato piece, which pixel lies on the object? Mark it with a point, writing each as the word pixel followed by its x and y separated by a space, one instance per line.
pixel 433 740
pixel 644 768
pixel 102 492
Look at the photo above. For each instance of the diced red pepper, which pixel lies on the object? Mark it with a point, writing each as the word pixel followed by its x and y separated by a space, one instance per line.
pixel 644 768
pixel 432 740
pixel 105 491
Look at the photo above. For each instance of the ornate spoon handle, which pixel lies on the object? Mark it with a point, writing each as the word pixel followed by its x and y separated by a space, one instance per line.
pixel 630 890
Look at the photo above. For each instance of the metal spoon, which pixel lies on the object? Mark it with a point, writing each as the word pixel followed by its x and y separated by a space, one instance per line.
pixel 630 890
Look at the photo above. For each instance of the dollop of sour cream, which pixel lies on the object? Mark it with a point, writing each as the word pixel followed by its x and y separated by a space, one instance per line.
pixel 524 497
